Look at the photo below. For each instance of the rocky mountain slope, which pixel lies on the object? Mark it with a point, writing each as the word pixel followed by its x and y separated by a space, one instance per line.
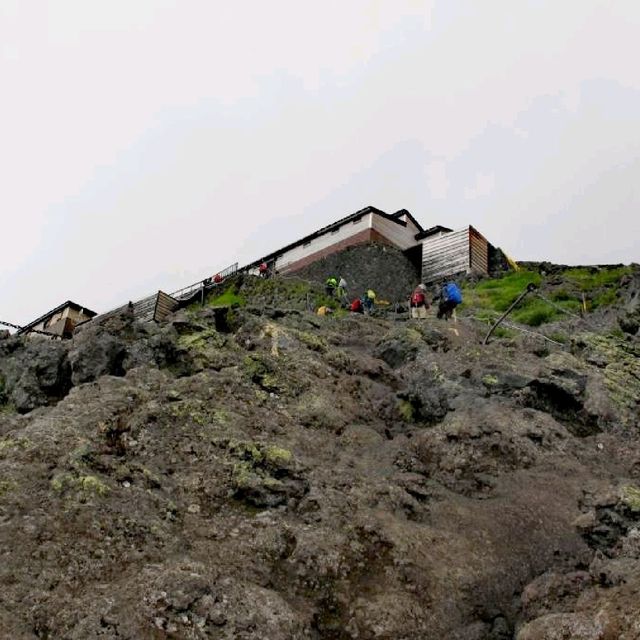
pixel 248 470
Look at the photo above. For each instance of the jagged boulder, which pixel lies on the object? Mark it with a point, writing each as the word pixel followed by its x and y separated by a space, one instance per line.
pixel 95 354
pixel 629 318
pixel 36 375
pixel 560 389
pixel 402 345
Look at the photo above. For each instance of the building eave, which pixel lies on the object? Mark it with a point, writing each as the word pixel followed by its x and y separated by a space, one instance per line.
pixel 336 225
pixel 432 231
pixel 44 316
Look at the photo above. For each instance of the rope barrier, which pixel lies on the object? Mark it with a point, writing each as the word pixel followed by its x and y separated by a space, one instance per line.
pixel 9 324
pixel 558 307
pixel 533 333
pixel 516 328
pixel 15 326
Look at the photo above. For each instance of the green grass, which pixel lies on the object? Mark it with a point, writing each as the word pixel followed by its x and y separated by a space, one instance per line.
pixel 497 294
pixel 598 285
pixel 227 299
pixel 589 279
pixel 491 297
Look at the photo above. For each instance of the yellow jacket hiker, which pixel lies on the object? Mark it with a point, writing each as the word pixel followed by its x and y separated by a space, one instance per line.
pixel 369 299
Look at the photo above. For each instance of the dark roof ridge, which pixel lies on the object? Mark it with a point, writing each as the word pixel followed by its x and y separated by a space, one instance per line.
pixel 318 233
pixel 431 231
pixel 406 212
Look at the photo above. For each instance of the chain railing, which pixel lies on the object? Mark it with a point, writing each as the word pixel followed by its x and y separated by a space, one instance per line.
pixel 38 331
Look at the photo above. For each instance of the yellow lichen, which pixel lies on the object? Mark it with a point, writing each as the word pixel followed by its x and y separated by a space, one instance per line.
pixel 406 410
pixel 84 484
pixel 631 497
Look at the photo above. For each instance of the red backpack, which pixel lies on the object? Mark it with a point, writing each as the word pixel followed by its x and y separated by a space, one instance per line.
pixel 417 298
pixel 356 305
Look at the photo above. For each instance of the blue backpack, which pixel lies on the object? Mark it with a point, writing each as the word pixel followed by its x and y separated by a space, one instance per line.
pixel 452 293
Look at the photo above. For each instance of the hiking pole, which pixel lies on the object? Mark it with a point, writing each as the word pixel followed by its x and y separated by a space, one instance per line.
pixel 530 287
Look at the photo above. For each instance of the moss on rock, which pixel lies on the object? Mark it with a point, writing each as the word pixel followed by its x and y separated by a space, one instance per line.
pixel 83 484
pixel 630 497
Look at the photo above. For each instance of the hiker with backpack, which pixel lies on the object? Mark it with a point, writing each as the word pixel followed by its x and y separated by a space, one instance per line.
pixel 356 306
pixel 330 286
pixel 450 298
pixel 369 299
pixel 418 302
pixel 341 291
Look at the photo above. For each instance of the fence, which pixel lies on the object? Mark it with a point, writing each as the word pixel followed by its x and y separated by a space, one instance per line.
pixel 148 308
pixel 187 292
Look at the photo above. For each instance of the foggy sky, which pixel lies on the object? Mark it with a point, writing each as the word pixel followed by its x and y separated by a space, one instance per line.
pixel 146 144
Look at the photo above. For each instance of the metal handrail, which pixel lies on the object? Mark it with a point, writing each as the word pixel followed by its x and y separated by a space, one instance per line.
pixel 196 286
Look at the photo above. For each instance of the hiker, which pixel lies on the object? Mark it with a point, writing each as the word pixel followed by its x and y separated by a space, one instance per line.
pixel 418 302
pixel 341 291
pixel 369 300
pixel 450 298
pixel 217 279
pixel 330 286
pixel 263 270
pixel 324 311
pixel 356 306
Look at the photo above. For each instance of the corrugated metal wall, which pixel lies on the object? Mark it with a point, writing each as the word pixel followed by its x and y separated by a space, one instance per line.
pixel 445 254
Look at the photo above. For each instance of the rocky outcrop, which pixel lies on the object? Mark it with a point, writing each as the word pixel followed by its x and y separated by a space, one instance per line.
pixel 34 373
pixel 252 470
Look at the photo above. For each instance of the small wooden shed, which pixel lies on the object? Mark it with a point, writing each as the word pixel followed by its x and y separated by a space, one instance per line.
pixel 446 252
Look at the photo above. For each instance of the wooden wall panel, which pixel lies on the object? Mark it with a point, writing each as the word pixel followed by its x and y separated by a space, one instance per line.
pixel 165 304
pixel 445 254
pixel 399 235
pixel 479 247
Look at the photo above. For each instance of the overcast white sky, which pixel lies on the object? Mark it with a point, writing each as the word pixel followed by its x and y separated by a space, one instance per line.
pixel 145 144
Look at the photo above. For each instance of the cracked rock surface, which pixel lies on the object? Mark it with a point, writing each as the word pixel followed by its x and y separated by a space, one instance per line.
pixel 273 474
